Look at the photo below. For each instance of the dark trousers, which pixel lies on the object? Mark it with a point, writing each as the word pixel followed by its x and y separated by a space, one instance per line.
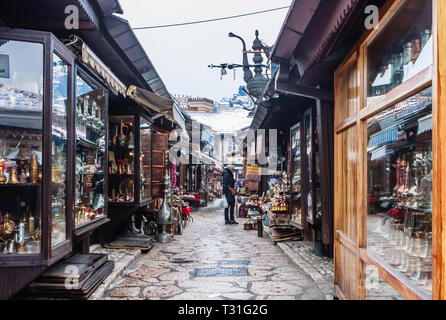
pixel 229 211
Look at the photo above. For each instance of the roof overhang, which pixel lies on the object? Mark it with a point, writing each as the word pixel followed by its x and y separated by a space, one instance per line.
pixel 152 101
pixel 298 17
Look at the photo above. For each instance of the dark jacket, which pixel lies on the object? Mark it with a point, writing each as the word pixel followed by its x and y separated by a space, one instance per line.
pixel 228 182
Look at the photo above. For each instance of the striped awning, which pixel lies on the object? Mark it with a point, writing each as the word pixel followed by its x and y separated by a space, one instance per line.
pixel 383 137
pixel 91 59
pixel 424 124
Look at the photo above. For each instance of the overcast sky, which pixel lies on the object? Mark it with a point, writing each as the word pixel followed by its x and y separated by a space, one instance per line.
pixel 181 54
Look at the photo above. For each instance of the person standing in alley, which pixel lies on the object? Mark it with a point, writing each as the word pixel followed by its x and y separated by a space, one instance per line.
pixel 229 193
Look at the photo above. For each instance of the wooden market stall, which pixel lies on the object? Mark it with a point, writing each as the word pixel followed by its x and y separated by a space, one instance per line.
pixel 389 170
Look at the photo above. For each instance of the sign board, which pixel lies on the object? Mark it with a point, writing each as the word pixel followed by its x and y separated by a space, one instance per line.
pixel 253 172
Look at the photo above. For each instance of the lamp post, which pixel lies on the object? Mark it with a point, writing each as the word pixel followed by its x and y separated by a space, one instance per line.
pixel 255 83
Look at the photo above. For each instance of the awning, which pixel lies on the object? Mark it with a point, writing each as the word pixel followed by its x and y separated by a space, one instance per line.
pixel 91 59
pixel 383 137
pixel 424 124
pixel 152 101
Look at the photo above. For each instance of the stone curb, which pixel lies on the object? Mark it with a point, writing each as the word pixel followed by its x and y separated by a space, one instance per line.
pixel 326 287
pixel 120 266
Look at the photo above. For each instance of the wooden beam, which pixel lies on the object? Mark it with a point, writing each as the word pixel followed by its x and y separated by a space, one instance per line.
pixel 304 91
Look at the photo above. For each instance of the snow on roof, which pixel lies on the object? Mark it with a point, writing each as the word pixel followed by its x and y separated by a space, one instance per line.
pixel 228 122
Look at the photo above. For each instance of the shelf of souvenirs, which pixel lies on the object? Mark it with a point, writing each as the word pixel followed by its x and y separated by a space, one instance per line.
pixel 404 250
pixel 122 197
pixel 121 140
pixel 85 214
pixel 21 236
pixel 14 173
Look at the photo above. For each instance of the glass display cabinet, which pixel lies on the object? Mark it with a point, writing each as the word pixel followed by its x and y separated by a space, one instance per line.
pixel 90 158
pixel 36 140
pixel 145 142
pixel 296 175
pixel 399 146
pixel 130 158
pixel 309 192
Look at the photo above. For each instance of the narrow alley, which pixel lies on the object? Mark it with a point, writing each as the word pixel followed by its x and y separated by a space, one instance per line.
pixel 214 261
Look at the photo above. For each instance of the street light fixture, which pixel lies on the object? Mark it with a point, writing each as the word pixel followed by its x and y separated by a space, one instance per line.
pixel 255 83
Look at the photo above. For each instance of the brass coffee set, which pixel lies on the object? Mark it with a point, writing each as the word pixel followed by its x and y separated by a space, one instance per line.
pixel 89 111
pixel 19 237
pixel 34 174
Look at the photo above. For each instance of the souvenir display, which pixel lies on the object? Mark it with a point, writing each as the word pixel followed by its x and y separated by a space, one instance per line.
pixel 21 136
pixel 296 175
pixel 145 159
pixel 121 162
pixel 90 151
pixel 400 188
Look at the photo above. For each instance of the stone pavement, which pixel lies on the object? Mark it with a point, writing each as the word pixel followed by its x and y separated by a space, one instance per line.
pixel 214 261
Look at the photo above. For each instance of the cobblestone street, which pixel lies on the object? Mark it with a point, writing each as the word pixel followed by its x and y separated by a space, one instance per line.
pixel 214 261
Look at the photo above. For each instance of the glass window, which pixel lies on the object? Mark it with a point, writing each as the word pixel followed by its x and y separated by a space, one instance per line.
pixel 402 49
pixel 377 288
pixel 121 158
pixel 296 182
pixel 21 107
pixel 399 219
pixel 90 151
pixel 146 159
pixel 59 150
pixel 309 160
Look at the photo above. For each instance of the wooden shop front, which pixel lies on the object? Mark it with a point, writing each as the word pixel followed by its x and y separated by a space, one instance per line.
pixel 389 170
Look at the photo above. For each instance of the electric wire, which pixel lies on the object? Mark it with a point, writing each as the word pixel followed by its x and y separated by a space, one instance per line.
pixel 209 20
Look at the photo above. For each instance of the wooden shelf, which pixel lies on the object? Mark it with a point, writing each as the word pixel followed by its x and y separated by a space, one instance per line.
pixel 88 144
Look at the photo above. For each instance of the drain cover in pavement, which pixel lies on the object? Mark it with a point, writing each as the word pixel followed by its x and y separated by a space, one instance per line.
pixel 222 272
pixel 234 262
pixel 181 260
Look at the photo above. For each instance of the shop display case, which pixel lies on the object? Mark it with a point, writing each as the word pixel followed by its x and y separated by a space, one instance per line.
pixel 146 161
pixel 386 145
pixel 130 159
pixel 91 152
pixel 399 221
pixel 36 190
pixel 296 175
pixel 308 177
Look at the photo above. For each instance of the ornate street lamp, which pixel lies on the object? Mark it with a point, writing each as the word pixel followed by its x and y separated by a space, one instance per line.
pixel 255 83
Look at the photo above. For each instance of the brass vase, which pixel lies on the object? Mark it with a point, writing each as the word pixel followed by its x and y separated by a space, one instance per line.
pixel 131 142
pixel 13 177
pixel 122 138
pixel 2 175
pixel 22 176
pixel 34 170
